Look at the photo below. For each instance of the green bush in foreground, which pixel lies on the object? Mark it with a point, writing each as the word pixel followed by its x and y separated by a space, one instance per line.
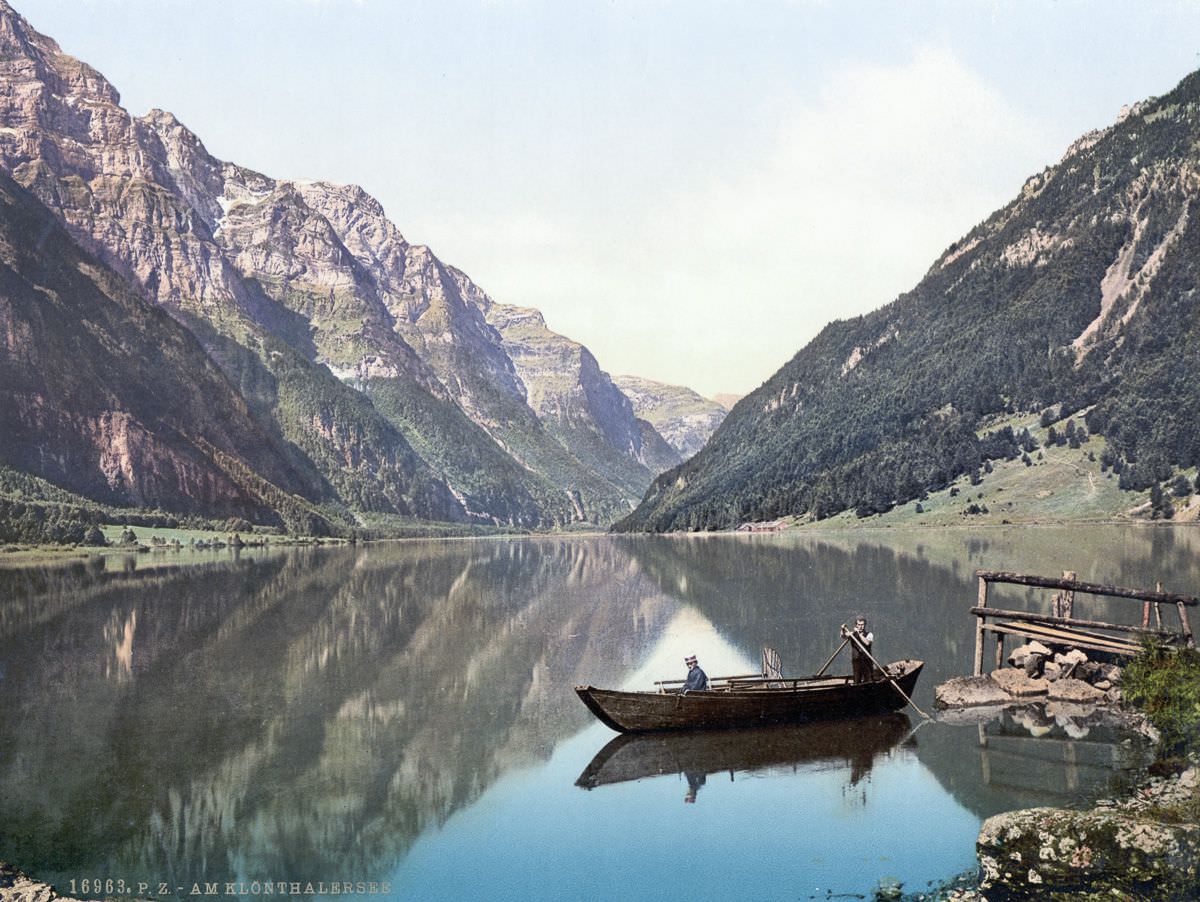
pixel 1165 684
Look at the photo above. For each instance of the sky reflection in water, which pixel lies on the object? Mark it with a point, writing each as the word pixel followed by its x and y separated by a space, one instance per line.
pixel 404 713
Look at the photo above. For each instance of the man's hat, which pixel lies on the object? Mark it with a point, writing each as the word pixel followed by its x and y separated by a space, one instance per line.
pixel 690 659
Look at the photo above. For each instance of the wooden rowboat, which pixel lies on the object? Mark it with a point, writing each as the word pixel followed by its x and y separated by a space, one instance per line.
pixel 752 701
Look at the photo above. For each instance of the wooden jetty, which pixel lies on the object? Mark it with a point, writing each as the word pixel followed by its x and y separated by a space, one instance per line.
pixel 1062 627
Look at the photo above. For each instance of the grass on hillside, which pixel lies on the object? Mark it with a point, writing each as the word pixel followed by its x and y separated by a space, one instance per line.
pixel 1063 484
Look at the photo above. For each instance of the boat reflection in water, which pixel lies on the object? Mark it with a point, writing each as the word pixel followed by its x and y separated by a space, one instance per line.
pixel 854 743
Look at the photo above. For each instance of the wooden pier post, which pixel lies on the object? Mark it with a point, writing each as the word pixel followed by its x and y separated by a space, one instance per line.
pixel 1187 627
pixel 979 618
pixel 1068 598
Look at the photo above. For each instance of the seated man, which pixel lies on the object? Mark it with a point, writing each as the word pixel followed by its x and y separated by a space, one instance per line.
pixel 696 678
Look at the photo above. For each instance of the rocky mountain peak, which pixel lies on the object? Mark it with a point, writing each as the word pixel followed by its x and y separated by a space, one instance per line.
pixel 680 415
pixel 190 168
pixel 290 283
pixel 30 56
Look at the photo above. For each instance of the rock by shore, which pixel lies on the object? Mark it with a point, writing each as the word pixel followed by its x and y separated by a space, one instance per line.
pixel 16 887
pixel 1144 847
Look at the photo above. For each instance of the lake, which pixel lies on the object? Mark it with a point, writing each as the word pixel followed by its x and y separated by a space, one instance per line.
pixel 399 720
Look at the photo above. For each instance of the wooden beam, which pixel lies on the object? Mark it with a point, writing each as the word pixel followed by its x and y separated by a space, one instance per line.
pixel 1067 636
pixel 1031 631
pixel 1048 582
pixel 1071 621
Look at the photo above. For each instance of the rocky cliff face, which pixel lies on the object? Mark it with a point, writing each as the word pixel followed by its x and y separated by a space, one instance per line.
pixel 578 402
pixel 290 284
pixel 108 397
pixel 681 416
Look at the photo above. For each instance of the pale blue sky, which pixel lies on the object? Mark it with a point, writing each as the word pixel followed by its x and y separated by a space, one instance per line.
pixel 692 189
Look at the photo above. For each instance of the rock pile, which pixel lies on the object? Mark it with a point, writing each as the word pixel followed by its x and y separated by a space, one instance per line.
pixel 1036 671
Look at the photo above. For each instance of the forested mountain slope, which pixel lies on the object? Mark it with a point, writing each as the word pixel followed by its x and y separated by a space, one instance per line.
pixel 1079 295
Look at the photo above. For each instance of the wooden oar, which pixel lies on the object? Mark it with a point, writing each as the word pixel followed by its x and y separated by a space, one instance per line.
pixel 825 666
pixel 895 685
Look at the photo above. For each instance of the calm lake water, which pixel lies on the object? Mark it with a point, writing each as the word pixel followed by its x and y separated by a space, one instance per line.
pixel 403 715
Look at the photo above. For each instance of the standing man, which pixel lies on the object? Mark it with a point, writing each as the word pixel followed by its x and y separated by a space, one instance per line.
pixel 696 678
pixel 860 646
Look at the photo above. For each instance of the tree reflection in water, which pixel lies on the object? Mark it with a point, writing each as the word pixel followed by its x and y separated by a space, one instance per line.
pixel 315 711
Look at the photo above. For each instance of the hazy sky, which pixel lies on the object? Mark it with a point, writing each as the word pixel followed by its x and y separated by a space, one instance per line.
pixel 691 189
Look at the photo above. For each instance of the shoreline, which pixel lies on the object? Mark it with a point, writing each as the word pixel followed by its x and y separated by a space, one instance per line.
pixel 20 555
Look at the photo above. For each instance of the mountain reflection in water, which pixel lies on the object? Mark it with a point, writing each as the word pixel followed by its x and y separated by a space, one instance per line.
pixel 332 713
pixel 853 744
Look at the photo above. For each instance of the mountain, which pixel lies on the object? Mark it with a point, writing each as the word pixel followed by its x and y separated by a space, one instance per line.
pixel 578 402
pixel 1077 300
pixel 367 362
pixel 681 416
pixel 151 419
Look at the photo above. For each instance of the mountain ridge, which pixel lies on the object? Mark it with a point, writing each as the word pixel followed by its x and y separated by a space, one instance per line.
pixel 353 348
pixel 1079 294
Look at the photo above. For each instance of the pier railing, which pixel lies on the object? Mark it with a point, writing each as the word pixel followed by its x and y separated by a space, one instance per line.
pixel 1062 627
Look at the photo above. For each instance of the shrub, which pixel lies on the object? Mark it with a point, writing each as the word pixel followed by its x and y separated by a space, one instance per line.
pixel 1165 684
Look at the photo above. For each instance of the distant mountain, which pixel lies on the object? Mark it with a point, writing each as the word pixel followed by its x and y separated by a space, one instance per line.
pixel 681 416
pixel 369 365
pixel 578 403
pixel 727 399
pixel 1077 298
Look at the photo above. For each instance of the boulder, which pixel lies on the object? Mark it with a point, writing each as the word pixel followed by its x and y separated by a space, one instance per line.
pixel 1053 853
pixel 1030 648
pixel 889 888
pixel 17 887
pixel 1088 670
pixel 1074 656
pixel 1016 683
pixel 1073 690
pixel 1070 661
pixel 962 692
pixel 1052 670
pixel 1021 652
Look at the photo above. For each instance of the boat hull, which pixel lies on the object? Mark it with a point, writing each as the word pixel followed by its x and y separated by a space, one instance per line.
pixel 791 701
